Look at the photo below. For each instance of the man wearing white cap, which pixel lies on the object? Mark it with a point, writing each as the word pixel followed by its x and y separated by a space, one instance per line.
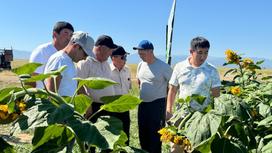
pixel 79 47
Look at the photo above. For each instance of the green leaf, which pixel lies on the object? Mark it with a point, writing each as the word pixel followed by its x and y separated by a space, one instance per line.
pixel 38 77
pixel 226 146
pixel 264 110
pixel 121 141
pixel 81 103
pixel 33 117
pixel 267 148
pixel 6 93
pixel 28 68
pixel 51 139
pixel 122 104
pixel 267 122
pixel 229 105
pixel 95 82
pixel 103 134
pixel 60 114
pixel 230 71
pixel 5 147
pixel 259 62
pixel 201 128
pixel 198 98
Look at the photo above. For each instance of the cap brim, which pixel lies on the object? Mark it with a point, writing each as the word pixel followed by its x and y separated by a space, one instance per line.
pixel 113 46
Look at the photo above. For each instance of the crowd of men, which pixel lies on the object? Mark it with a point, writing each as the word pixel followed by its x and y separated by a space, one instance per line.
pixel 158 83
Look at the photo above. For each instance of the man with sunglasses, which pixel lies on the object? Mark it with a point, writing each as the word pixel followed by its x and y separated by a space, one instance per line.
pixel 121 74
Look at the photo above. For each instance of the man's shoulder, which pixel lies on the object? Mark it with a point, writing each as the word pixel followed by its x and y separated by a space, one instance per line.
pixel 45 47
pixel 210 66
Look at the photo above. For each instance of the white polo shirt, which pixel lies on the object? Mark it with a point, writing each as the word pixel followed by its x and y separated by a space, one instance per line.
pixel 123 77
pixel 93 68
pixel 193 80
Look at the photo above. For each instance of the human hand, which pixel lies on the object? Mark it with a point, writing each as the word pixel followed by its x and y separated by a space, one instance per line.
pixel 168 115
pixel 88 113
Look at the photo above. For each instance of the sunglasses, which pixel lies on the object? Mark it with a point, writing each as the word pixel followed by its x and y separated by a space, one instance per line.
pixel 122 57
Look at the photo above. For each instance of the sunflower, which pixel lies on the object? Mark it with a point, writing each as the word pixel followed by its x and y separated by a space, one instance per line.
pixel 232 57
pixel 235 90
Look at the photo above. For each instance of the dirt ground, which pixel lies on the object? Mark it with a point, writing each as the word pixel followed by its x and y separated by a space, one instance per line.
pixel 9 79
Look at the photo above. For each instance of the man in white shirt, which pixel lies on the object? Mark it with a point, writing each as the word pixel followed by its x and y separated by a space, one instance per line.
pixel 79 47
pixel 193 76
pixel 120 73
pixel 97 66
pixel 62 33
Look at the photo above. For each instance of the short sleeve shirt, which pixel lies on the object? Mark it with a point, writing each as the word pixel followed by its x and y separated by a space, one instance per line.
pixel 93 68
pixel 153 79
pixel 67 85
pixel 193 80
pixel 41 55
pixel 122 77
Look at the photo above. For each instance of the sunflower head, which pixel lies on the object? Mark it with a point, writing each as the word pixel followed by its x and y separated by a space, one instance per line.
pixel 235 90
pixel 232 57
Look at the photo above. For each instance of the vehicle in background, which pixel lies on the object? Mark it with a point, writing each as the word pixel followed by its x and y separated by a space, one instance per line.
pixel 6 56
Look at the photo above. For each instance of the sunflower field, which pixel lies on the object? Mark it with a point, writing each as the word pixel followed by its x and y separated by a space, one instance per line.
pixel 239 121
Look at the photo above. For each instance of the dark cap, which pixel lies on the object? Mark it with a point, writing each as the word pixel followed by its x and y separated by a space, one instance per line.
pixel 144 44
pixel 119 51
pixel 106 41
pixel 62 25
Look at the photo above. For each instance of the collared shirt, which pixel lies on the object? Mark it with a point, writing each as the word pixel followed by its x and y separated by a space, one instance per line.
pixel 193 80
pixel 123 77
pixel 93 68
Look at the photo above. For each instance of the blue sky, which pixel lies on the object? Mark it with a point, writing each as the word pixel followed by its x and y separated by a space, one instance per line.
pixel 242 25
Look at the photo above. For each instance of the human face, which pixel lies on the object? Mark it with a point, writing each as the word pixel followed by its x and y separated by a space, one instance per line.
pixel 104 53
pixel 199 56
pixel 144 54
pixel 119 61
pixel 79 54
pixel 62 39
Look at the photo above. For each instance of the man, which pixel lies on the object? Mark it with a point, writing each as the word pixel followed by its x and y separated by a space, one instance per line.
pixel 97 66
pixel 193 76
pixel 120 73
pixel 62 33
pixel 153 76
pixel 78 48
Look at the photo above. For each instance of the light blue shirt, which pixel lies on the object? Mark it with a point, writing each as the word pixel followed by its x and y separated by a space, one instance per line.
pixel 193 80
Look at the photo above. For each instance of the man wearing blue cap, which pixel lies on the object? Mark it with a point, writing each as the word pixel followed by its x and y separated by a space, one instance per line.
pixel 153 76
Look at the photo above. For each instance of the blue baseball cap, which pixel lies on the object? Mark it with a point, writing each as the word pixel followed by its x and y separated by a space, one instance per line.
pixel 144 44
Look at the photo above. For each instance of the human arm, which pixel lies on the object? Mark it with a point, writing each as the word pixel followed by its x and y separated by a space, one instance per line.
pixel 170 100
pixel 50 83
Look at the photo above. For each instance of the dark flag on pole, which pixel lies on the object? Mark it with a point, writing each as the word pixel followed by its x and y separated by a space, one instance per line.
pixel 169 33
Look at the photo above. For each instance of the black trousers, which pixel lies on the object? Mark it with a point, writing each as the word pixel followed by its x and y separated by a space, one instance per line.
pixel 151 118
pixel 124 117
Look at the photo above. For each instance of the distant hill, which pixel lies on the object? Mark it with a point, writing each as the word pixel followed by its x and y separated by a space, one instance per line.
pixel 216 61
pixel 134 58
pixel 20 54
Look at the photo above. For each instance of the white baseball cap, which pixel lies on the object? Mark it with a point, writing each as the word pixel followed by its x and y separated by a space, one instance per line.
pixel 85 41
